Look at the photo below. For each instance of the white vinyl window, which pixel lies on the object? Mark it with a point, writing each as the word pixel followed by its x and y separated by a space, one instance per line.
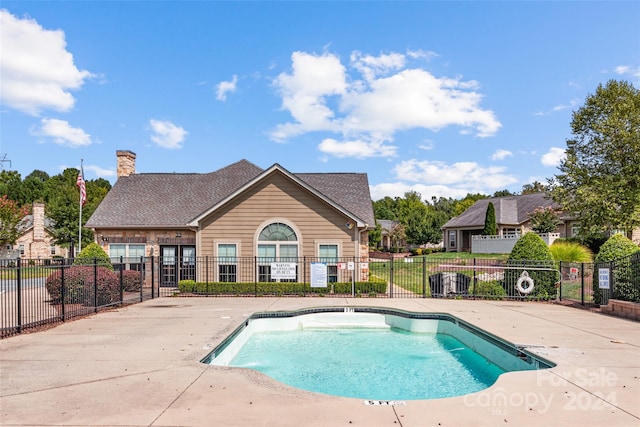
pixel 452 239
pixel 276 242
pixel 329 255
pixel 227 262
pixel 126 256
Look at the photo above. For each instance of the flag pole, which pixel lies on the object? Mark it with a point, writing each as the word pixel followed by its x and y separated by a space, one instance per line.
pixel 81 203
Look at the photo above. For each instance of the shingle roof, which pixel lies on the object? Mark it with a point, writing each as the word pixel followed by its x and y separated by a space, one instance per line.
pixel 511 210
pixel 26 223
pixel 174 199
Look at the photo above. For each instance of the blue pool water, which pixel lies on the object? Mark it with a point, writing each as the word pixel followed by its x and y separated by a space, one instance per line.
pixel 373 353
pixel 391 364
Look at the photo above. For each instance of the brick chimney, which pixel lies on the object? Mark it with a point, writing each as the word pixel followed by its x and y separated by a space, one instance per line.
pixel 38 222
pixel 126 162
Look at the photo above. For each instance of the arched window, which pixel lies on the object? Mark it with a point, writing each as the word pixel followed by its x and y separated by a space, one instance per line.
pixel 277 232
pixel 277 242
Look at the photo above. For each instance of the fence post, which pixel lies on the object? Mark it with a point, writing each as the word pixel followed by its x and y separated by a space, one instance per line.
pixel 121 280
pixel 391 276
pixel 19 291
pixel 95 285
pixel 424 276
pixel 153 270
pixel 582 283
pixel 255 276
pixel 141 278
pixel 560 282
pixel 475 278
pixel 62 293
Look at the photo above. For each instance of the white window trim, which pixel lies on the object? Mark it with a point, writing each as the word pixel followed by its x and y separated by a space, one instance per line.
pixel 216 254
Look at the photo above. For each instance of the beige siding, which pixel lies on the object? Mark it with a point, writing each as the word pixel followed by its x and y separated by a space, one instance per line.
pixel 277 198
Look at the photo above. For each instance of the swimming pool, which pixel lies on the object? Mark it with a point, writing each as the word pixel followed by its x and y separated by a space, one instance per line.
pixel 372 353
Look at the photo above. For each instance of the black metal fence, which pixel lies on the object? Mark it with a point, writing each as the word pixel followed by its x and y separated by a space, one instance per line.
pixel 39 292
pixel 34 293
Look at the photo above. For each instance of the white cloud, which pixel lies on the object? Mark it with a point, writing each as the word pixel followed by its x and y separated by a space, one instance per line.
pixel 62 133
pixel 398 189
pixel 321 96
pixel 426 145
pixel 553 157
pixel 372 66
pixel 469 176
pixel 626 69
pixel 36 70
pixel 501 154
pixel 226 87
pixel 440 179
pixel 419 53
pixel 100 172
pixel 166 134
pixel 358 149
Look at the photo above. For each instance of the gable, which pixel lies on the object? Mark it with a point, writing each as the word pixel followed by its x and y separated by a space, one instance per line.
pixel 346 193
pixel 511 210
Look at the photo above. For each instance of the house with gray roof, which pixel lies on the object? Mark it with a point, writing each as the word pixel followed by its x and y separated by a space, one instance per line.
pixel 512 219
pixel 238 211
pixel 35 237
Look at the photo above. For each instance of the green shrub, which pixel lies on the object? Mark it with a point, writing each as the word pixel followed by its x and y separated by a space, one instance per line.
pixel 492 289
pixel 79 283
pixel 279 288
pixel 93 254
pixel 131 281
pixel 618 248
pixel 530 251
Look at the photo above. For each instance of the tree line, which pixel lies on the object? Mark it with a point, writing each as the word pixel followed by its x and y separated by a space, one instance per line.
pixel 420 221
pixel 60 196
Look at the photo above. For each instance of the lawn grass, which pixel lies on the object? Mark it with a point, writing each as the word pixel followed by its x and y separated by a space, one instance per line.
pixel 409 273
pixel 464 255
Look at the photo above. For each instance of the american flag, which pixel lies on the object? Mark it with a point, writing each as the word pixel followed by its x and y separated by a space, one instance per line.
pixel 83 188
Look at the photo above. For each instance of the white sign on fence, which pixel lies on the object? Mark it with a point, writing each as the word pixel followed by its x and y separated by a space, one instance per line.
pixel 603 278
pixel 283 270
pixel 318 275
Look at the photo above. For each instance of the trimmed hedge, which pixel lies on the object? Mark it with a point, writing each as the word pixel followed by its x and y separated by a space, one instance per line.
pixel 279 288
pixel 79 284
pixel 131 281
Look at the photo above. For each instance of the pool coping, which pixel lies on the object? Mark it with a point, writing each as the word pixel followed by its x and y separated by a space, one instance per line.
pixel 537 362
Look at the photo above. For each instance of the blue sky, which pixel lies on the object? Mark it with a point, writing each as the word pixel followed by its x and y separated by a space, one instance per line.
pixel 444 98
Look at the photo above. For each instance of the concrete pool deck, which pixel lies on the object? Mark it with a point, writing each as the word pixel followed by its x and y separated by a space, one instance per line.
pixel 139 366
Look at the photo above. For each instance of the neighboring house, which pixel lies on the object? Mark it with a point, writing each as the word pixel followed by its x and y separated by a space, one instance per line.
pixel 238 211
pixel 386 234
pixel 36 239
pixel 512 218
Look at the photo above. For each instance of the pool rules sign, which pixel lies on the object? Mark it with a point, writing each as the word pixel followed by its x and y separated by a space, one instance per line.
pixel 318 275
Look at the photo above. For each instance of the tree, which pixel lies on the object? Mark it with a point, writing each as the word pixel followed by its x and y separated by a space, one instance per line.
pixel 534 187
pixel 617 248
pixel 599 181
pixel 10 215
pixel 503 193
pixel 490 226
pixel 544 220
pixel 375 236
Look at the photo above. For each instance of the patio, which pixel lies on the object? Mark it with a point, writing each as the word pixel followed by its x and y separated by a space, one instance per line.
pixel 139 366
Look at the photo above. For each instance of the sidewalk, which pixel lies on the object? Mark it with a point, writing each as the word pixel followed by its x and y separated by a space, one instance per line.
pixel 139 366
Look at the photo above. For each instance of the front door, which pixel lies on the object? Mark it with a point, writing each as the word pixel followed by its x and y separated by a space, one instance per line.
pixel 187 263
pixel 168 266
